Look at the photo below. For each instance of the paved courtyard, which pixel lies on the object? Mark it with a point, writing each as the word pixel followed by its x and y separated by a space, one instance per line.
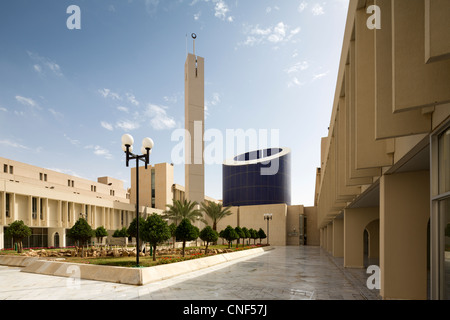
pixel 285 273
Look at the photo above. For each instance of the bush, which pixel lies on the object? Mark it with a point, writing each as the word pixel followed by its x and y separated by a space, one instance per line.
pixel 229 234
pixel 208 235
pixel 155 230
pixel 122 233
pixel 81 232
pixel 18 231
pixel 186 232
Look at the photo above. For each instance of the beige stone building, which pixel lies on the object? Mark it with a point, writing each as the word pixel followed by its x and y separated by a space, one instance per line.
pixel 383 195
pixel 51 202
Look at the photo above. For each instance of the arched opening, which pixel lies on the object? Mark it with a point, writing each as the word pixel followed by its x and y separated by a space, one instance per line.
pixel 372 243
pixel 56 240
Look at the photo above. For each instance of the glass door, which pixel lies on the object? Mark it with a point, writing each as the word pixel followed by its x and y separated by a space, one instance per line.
pixel 440 214
pixel 444 250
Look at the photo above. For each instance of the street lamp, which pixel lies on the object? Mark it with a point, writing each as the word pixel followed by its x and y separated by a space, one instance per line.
pixel 146 149
pixel 267 216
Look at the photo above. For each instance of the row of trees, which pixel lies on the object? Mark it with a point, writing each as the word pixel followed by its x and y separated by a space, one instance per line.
pixel 155 229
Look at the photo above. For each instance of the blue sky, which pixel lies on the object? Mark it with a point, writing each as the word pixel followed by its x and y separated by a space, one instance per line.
pixel 67 96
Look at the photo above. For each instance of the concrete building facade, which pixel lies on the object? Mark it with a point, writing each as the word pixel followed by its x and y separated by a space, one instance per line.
pixel 50 202
pixel 383 192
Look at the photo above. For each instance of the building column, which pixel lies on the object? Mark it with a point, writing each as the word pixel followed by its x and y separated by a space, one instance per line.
pixel 338 238
pixel 2 237
pixel 3 208
pixel 355 221
pixel 325 242
pixel 330 237
pixel 404 215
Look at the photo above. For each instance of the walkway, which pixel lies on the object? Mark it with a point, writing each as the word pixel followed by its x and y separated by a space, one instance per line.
pixel 285 273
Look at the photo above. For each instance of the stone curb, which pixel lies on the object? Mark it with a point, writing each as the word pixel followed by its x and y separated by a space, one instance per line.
pixel 132 276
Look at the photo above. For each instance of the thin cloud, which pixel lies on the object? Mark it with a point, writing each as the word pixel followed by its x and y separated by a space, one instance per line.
pixel 43 62
pixel 107 125
pixel 107 93
pixel 159 119
pixel 279 33
pixel 12 144
pixel 100 151
pixel 320 75
pixel 127 125
pixel 28 102
pixel 317 10
pixel 132 99
pixel 299 66
pixel 302 6
pixel 72 141
pixel 56 114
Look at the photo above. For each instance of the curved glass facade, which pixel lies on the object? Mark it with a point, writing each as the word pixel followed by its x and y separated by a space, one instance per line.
pixel 258 177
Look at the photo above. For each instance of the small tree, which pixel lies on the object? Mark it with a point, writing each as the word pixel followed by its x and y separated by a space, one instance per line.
pixel 261 235
pixel 229 234
pixel 81 232
pixel 18 231
pixel 240 234
pixel 120 233
pixel 186 232
pixel 100 233
pixel 208 235
pixel 155 231
pixel 253 235
pixel 132 231
pixel 247 233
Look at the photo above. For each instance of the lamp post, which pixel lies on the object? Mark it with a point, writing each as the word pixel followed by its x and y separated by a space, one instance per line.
pixel 146 149
pixel 267 216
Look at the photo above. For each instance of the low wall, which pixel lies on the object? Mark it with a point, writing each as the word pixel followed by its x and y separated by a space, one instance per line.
pixel 132 276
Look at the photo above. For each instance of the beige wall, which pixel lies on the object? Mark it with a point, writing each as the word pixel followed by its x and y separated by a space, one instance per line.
pixel 392 92
pixel 404 216
pixel 312 232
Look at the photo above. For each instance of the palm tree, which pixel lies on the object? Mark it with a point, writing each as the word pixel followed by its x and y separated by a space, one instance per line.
pixel 180 210
pixel 215 211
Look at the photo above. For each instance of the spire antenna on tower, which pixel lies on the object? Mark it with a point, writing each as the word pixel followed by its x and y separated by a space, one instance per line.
pixel 194 36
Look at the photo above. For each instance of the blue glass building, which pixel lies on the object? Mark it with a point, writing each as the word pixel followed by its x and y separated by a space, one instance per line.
pixel 257 177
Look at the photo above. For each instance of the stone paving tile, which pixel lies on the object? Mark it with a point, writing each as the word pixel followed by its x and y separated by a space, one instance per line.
pixel 285 273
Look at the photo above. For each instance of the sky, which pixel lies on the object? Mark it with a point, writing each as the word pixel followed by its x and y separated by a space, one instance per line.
pixel 67 95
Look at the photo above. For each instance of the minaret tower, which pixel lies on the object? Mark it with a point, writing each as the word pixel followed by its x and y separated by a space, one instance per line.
pixel 194 110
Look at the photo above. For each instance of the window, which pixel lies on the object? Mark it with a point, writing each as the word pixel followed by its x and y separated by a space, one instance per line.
pixel 5 168
pixel 41 208
pixel 34 207
pixel 11 169
pixel 444 160
pixel 70 183
pixel 93 188
pixel 45 177
pixel 153 188
pixel 440 215
pixel 41 176
pixel 7 205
